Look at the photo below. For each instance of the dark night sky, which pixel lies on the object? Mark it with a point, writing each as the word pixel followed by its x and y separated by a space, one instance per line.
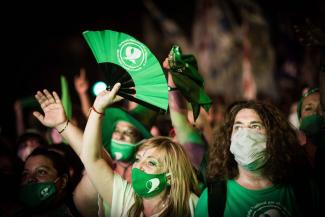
pixel 40 42
pixel 37 39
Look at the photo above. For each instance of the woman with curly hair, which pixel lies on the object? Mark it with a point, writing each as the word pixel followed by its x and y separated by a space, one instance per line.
pixel 256 166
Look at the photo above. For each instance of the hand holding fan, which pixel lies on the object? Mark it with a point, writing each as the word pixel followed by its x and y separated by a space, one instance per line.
pixel 124 59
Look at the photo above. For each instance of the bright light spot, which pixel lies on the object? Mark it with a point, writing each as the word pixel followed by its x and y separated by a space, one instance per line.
pixel 99 87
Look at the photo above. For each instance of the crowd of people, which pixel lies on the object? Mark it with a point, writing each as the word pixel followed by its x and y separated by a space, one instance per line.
pixel 248 161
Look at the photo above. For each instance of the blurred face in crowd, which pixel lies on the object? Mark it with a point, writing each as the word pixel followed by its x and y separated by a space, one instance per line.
pixel 26 147
pixel 38 169
pixel 311 105
pixel 126 132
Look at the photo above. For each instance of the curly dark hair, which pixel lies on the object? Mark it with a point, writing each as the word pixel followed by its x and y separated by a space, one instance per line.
pixel 286 156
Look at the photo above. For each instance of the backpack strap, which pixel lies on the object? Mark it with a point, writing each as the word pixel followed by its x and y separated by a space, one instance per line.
pixel 217 192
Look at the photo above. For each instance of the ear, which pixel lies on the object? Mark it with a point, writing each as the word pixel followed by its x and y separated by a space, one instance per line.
pixel 63 182
pixel 169 178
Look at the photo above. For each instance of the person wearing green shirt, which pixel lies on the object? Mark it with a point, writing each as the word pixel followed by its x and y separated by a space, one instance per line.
pixel 257 167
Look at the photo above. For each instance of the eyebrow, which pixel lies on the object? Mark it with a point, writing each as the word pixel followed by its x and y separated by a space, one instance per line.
pixel 308 104
pixel 149 157
pixel 252 122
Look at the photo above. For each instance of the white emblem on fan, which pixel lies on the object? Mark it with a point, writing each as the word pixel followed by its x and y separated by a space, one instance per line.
pixel 132 54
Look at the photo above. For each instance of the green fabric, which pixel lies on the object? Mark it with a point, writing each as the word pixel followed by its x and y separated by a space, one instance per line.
pixel 136 59
pixel 122 151
pixel 313 125
pixel 28 102
pixel 148 185
pixel 111 117
pixel 271 201
pixel 201 209
pixel 66 99
pixel 37 195
pixel 188 80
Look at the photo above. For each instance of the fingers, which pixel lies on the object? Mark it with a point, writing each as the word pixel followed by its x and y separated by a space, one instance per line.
pixel 166 64
pixel 56 97
pixel 83 73
pixel 39 116
pixel 45 98
pixel 41 98
pixel 49 96
pixel 115 89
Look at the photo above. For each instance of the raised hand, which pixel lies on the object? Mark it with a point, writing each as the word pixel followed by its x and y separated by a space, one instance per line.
pixel 80 82
pixel 107 98
pixel 54 115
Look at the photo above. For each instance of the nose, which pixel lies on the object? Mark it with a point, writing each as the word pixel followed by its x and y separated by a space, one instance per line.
pixel 139 165
pixel 30 179
pixel 118 135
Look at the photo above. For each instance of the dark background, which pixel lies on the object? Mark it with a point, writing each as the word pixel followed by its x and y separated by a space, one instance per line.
pixel 41 42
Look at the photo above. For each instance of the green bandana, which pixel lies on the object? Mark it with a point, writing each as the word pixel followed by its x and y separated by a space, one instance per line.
pixel 148 185
pixel 187 79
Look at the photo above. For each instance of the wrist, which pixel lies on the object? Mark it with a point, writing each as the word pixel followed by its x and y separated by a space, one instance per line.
pixel 62 127
pixel 97 111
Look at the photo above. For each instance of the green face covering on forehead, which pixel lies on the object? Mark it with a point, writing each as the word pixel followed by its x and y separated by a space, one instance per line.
pixel 112 117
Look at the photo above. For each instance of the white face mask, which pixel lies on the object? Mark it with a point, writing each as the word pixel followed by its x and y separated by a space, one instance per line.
pixel 248 147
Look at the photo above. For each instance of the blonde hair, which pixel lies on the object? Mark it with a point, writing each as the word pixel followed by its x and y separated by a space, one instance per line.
pixel 183 178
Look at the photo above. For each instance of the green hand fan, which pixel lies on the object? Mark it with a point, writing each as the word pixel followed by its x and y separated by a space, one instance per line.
pixel 187 79
pixel 124 59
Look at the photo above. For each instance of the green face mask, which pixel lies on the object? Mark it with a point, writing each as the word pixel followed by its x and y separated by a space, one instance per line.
pixel 314 126
pixel 257 164
pixel 122 151
pixel 148 185
pixel 38 195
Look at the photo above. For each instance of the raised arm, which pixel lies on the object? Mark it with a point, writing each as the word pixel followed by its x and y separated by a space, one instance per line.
pixel 100 173
pixel 186 133
pixel 81 85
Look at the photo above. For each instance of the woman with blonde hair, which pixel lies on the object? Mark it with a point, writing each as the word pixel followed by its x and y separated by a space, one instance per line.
pixel 163 180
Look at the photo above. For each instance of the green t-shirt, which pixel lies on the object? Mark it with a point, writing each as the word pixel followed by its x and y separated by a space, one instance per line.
pixel 240 202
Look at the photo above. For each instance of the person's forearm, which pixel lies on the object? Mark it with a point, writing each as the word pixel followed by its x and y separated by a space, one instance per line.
pixel 85 103
pixel 20 127
pixel 185 132
pixel 73 135
pixel 100 173
pixel 92 138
